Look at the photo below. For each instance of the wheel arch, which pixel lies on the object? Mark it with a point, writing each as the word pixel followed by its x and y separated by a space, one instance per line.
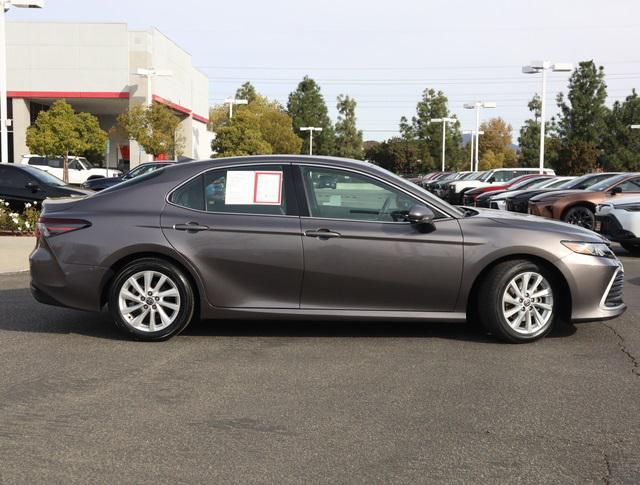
pixel 566 303
pixel 123 261
pixel 582 203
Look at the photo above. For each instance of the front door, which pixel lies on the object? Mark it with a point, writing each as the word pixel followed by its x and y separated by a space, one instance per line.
pixel 240 229
pixel 361 254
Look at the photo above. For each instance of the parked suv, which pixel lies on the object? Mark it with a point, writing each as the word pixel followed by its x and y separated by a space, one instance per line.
pixel 80 169
pixel 620 221
pixel 578 206
pixel 498 176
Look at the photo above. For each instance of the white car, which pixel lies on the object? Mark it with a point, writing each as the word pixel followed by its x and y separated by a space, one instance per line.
pixel 499 201
pixel 456 190
pixel 80 169
pixel 620 221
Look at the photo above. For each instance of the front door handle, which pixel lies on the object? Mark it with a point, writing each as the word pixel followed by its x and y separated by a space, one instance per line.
pixel 322 233
pixel 190 227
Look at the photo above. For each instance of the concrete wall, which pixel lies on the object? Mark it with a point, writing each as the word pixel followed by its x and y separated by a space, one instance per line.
pixel 61 56
pixel 83 61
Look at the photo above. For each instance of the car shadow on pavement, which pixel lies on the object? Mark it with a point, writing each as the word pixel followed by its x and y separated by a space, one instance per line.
pixel 20 313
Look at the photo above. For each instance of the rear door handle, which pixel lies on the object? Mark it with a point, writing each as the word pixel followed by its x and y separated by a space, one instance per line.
pixel 322 233
pixel 190 227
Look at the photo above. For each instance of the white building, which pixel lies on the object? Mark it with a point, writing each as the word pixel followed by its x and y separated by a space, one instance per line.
pixel 92 66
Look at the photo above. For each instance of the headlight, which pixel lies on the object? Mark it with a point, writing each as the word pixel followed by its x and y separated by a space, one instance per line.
pixel 633 207
pixel 590 249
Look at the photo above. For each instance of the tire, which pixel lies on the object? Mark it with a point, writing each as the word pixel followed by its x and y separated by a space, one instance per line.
pixel 165 312
pixel 633 248
pixel 515 317
pixel 580 215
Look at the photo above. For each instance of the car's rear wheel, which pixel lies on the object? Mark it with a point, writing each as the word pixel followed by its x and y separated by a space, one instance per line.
pixel 580 216
pixel 151 299
pixel 518 301
pixel 633 248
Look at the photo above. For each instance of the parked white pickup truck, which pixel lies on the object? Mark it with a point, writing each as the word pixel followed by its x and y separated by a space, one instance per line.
pixel 80 169
pixel 498 176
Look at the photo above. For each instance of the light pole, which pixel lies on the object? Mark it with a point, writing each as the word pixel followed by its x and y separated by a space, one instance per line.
pixel 149 74
pixel 310 129
pixel 444 122
pixel 544 66
pixel 233 101
pixel 472 133
pixel 477 106
pixel 4 121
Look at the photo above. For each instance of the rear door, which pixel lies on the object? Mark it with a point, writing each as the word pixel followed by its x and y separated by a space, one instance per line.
pixel 361 254
pixel 239 227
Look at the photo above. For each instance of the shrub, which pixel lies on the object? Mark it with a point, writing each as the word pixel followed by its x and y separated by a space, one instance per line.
pixel 19 223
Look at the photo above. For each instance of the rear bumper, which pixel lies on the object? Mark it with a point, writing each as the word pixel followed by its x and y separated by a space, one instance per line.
pixel 70 285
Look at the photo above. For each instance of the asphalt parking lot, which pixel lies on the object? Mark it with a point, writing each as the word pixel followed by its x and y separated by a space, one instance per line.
pixel 268 402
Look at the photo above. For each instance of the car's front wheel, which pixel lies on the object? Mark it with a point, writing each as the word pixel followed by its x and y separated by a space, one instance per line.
pixel 580 216
pixel 518 301
pixel 151 299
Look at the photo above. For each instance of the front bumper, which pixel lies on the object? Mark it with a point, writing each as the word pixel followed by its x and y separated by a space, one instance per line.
pixel 541 210
pixel 609 226
pixel 596 286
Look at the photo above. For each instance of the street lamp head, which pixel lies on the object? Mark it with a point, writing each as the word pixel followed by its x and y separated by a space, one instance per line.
pixel 529 70
pixel 489 105
pixel 635 127
pixel 24 3
pixel 562 67
pixel 310 128
pixel 435 120
pixel 469 105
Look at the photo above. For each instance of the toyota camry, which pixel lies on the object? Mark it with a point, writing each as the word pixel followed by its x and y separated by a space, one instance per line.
pixel 268 237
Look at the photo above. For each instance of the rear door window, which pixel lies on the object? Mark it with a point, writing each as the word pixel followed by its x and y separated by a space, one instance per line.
pixel 255 189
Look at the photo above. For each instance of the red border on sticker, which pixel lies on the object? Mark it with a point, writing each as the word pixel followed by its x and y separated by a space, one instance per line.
pixel 255 188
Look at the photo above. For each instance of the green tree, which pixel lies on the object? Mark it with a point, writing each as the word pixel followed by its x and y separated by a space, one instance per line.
pixel 60 132
pixel 581 124
pixel 397 155
pixel 348 137
pixel 261 127
pixel 434 104
pixel 306 107
pixel 247 91
pixel 622 143
pixel 154 128
pixel 495 150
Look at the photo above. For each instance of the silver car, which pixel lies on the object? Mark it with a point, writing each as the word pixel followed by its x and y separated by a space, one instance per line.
pixel 266 237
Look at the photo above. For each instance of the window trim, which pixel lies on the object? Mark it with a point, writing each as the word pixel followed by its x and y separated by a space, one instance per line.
pixel 287 180
pixel 307 215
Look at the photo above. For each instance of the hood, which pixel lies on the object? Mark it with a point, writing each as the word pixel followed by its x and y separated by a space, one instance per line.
pixel 556 194
pixel 539 224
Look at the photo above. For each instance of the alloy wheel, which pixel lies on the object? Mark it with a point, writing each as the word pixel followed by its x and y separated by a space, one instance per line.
pixel 527 303
pixel 149 301
pixel 581 216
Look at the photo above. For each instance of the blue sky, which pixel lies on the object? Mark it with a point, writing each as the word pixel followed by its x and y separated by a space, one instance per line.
pixel 385 53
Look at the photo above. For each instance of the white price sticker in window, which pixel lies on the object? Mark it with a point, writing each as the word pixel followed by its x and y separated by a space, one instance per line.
pixel 250 187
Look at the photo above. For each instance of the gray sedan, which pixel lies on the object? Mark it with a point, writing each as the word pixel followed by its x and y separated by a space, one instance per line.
pixel 267 237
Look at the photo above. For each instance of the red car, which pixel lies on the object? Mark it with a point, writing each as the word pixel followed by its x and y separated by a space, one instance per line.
pixel 470 196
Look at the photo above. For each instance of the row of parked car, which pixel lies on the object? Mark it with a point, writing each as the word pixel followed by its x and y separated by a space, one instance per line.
pixel 37 178
pixel 606 202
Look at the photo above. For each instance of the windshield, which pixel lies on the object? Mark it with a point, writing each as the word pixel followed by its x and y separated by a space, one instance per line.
pixel 559 184
pixel 44 177
pixel 87 164
pixel 527 183
pixel 586 181
pixel 486 176
pixel 608 182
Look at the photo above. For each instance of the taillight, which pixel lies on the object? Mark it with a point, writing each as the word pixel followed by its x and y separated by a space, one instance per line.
pixel 49 226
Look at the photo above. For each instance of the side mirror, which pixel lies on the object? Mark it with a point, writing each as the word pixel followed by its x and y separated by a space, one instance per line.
pixel 421 215
pixel 616 190
pixel 33 187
